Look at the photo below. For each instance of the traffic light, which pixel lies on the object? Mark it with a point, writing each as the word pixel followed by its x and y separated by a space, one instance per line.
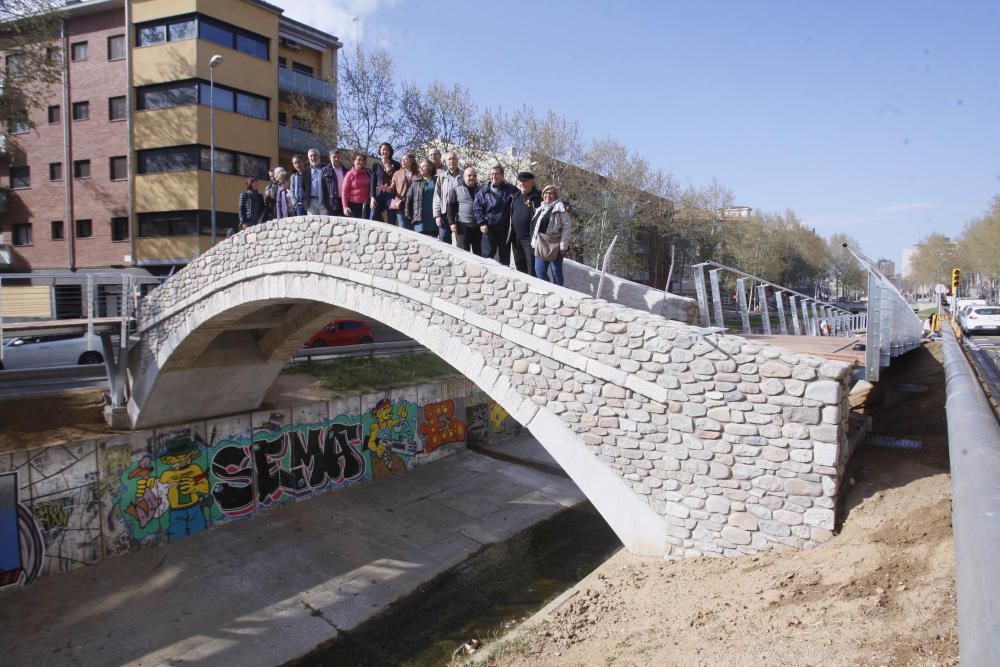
pixel 956 278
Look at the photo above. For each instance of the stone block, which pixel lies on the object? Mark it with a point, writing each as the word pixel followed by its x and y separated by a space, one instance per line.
pixel 825 391
pixel 736 535
pixel 798 487
pixel 825 453
pixel 819 518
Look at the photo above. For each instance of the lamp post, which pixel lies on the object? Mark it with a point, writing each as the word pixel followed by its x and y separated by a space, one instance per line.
pixel 216 59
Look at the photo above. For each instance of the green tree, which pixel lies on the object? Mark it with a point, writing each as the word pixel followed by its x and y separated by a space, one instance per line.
pixel 934 259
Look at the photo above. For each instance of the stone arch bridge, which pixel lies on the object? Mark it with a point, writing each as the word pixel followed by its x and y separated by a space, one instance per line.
pixel 686 446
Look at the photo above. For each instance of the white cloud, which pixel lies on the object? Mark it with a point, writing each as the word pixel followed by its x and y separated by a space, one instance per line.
pixel 336 18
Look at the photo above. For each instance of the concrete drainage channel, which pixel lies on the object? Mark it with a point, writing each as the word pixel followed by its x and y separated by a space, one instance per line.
pixel 480 599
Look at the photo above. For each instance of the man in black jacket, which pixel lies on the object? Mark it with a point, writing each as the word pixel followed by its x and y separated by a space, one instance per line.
pixel 522 209
pixel 333 178
pixel 492 209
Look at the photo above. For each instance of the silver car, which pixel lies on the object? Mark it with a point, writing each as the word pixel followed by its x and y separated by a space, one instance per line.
pixel 52 350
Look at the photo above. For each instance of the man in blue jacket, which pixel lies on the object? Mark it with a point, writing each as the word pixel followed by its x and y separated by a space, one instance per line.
pixel 492 211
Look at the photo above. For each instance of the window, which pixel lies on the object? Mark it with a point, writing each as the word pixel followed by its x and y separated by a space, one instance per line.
pixel 196 91
pixel 78 51
pixel 302 69
pixel 212 30
pixel 184 158
pixel 282 62
pixel 55 114
pixel 166 95
pixel 21 233
pixel 119 168
pixel 175 158
pixel 20 177
pixel 84 230
pixel 53 55
pixel 81 110
pixel 116 47
pixel 116 108
pixel 57 230
pixel 55 171
pixel 18 124
pixel 81 169
pixel 185 223
pixel 15 64
pixel 119 229
pixel 282 118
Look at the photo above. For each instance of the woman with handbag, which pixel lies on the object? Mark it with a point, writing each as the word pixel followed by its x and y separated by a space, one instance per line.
pixel 550 238
pixel 401 180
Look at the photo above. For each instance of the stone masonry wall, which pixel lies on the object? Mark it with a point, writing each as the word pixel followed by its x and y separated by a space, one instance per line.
pixel 736 447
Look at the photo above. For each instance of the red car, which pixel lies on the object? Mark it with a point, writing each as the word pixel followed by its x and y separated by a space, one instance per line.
pixel 342 332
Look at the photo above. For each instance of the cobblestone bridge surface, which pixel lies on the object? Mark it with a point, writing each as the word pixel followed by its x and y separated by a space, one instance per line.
pixel 687 447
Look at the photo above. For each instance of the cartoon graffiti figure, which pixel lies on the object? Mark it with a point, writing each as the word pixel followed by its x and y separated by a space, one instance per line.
pixel 151 496
pixel 383 432
pixel 186 485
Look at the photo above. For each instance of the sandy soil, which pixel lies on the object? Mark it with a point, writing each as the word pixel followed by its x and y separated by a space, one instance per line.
pixel 881 592
pixel 52 419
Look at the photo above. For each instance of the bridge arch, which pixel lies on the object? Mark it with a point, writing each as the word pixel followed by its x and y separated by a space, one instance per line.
pixel 620 398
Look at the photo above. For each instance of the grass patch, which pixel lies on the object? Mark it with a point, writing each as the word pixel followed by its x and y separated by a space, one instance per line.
pixel 374 372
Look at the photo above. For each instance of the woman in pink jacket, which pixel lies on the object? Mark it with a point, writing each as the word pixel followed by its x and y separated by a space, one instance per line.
pixel 357 184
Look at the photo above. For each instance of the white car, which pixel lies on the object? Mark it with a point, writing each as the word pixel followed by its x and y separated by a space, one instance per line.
pixel 981 318
pixel 52 350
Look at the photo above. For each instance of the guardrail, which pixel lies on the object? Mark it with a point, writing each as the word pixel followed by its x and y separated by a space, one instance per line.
pixel 817 317
pixel 893 328
pixel 364 350
pixel 974 453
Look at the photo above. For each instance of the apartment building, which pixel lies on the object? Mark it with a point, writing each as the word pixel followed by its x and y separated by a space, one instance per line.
pixel 122 175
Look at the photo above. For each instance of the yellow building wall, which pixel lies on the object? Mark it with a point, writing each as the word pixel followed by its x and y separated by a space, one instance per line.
pixel 182 248
pixel 187 191
pixel 150 10
pixel 26 301
pixel 191 124
pixel 307 56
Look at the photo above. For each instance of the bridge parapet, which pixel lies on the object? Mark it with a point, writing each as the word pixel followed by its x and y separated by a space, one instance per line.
pixel 686 446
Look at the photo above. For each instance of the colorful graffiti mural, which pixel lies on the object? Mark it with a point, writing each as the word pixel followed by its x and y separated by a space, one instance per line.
pixel 100 499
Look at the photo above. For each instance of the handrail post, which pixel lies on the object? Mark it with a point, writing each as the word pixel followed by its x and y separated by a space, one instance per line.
pixel 713 277
pixel 699 288
pixel 779 305
pixel 741 296
pixel 765 314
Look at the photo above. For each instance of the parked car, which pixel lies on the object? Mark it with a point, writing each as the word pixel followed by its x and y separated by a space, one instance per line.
pixel 981 318
pixel 342 332
pixel 52 350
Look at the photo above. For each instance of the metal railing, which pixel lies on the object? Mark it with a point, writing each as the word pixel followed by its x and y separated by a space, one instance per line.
pixel 808 316
pixel 893 328
pixel 299 140
pixel 303 84
pixel 974 448
pixel 363 350
pixel 50 303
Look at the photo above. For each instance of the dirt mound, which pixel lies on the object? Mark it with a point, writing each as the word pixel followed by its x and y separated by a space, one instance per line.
pixel 51 419
pixel 881 592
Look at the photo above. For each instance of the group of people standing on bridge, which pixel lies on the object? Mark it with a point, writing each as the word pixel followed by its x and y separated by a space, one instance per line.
pixel 498 220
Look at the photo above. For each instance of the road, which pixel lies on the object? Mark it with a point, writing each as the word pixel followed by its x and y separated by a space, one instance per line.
pixel 985 354
pixel 88 379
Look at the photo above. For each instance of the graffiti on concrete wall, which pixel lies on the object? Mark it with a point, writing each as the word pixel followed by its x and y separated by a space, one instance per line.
pixel 21 546
pixel 76 504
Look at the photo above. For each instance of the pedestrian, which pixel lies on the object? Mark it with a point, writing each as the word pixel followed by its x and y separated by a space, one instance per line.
pixel 300 185
pixel 333 180
pixel 461 217
pixel 270 196
pixel 400 184
pixel 251 205
pixel 492 211
pixel 522 210
pixel 435 157
pixel 550 238
pixel 381 182
pixel 446 182
pixel 284 203
pixel 356 188
pixel 315 204
pixel 420 201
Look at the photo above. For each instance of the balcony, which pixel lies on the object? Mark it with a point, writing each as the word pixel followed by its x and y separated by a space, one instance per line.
pixel 296 83
pixel 299 141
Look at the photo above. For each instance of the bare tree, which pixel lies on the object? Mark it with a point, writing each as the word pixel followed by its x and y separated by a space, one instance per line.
pixel 29 38
pixel 367 100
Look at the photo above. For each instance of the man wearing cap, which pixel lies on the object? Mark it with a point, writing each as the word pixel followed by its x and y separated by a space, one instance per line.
pixel 523 205
pixel 492 210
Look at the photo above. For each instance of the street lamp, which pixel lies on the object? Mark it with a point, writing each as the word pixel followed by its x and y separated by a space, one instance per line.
pixel 216 59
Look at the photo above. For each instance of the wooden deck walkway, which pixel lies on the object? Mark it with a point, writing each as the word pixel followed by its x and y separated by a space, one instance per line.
pixel 828 347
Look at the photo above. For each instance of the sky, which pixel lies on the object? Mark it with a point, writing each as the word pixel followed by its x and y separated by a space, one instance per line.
pixel 877 119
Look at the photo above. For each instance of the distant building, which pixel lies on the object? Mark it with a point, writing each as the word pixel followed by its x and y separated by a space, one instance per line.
pixel 735 212
pixel 130 183
pixel 907 258
pixel 886 267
